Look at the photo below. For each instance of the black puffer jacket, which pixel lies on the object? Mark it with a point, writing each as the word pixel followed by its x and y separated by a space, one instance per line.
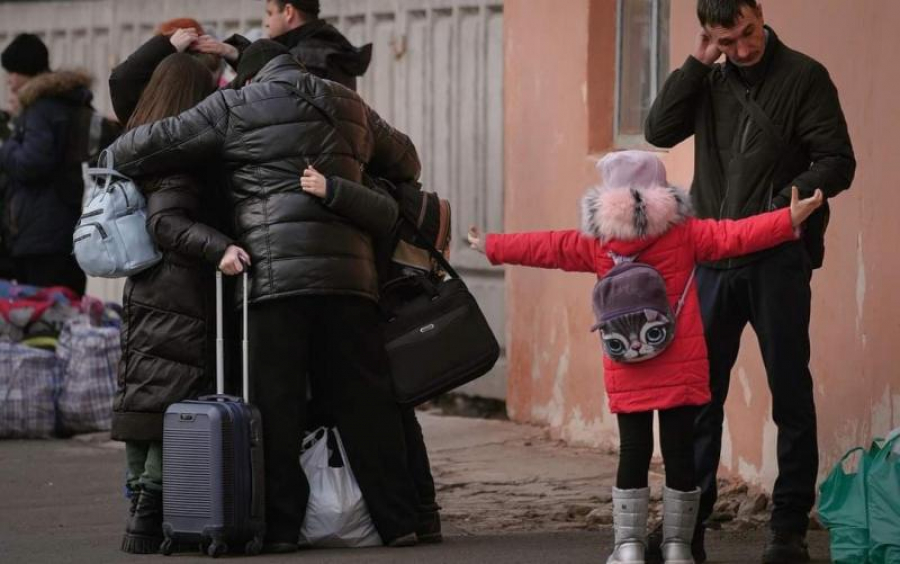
pixel 167 338
pixel 265 135
pixel 39 210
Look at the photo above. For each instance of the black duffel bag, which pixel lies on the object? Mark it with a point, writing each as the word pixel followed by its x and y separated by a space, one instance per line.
pixel 435 335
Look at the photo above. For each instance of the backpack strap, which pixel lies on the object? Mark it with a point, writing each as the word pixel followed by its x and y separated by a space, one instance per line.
pixel 684 293
pixel 756 112
pixel 621 259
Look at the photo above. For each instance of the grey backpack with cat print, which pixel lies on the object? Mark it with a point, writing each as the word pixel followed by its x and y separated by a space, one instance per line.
pixel 634 316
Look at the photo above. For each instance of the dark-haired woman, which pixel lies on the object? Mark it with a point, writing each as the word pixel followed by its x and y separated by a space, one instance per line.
pixel 169 310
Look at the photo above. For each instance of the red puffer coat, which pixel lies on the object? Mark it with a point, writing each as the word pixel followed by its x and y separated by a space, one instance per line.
pixel 654 223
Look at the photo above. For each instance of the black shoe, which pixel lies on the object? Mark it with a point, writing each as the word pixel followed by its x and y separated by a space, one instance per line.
pixel 143 534
pixel 786 548
pixel 428 529
pixel 404 541
pixel 654 545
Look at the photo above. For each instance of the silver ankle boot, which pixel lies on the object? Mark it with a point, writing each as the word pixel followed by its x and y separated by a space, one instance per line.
pixel 630 509
pixel 678 525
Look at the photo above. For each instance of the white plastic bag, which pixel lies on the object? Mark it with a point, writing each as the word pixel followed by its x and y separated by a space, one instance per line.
pixel 336 515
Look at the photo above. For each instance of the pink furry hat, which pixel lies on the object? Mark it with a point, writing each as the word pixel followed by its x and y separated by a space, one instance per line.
pixel 634 200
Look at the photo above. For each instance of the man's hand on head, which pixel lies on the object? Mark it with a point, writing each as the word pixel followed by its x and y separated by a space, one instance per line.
pixel 705 49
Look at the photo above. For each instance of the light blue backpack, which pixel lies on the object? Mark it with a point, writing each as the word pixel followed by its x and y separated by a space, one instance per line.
pixel 111 238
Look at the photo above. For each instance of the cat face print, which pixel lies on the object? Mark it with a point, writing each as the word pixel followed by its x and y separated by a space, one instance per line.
pixel 638 336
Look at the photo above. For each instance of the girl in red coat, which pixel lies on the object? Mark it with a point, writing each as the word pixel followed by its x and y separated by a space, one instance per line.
pixel 635 217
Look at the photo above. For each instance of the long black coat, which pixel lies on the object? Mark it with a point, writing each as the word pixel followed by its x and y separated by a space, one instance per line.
pixel 265 136
pixel 173 326
pixel 43 189
pixel 167 333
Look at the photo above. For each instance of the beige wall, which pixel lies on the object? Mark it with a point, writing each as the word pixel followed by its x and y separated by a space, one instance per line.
pixel 559 81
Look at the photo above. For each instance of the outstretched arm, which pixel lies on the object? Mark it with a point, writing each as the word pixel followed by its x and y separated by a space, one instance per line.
pixel 565 250
pixel 716 240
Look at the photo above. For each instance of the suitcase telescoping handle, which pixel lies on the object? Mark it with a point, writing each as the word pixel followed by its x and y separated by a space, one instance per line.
pixel 220 342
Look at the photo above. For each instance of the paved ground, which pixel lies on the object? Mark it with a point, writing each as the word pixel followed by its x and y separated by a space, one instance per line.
pixel 509 496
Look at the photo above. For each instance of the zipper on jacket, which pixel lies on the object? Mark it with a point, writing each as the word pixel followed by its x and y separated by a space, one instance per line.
pixel 742 147
pixel 746 133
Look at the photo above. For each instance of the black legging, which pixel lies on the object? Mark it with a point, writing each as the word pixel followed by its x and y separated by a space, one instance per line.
pixel 676 434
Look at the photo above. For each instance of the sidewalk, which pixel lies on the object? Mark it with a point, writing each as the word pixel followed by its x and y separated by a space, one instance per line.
pixel 509 495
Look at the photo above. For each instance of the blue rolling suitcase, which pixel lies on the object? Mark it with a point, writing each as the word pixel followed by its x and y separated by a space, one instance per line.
pixel 213 479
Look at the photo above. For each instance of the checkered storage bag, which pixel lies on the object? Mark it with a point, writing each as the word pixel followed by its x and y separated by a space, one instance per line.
pixel 89 357
pixel 29 380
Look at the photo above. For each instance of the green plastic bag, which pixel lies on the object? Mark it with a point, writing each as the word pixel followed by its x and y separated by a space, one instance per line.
pixel 883 497
pixel 843 509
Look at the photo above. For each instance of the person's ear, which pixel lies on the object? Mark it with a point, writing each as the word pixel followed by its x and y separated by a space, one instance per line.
pixel 290 12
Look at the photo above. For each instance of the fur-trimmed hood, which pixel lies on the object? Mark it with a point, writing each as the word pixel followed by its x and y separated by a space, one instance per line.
pixel 70 85
pixel 630 214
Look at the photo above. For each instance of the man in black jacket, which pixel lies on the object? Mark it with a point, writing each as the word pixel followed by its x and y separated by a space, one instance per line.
pixel 314 285
pixel 767 119
pixel 322 49
pixel 326 53
pixel 42 199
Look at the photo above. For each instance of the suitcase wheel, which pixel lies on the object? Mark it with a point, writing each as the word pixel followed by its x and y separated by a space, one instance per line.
pixel 166 547
pixel 217 549
pixel 253 547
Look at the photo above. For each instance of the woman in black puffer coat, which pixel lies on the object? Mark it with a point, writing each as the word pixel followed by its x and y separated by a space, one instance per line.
pixel 169 310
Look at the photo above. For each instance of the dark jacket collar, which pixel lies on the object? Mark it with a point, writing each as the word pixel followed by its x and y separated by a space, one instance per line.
pixel 755 74
pixel 321 35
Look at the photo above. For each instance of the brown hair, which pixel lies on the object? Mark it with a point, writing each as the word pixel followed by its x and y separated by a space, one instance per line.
pixel 179 83
pixel 171 26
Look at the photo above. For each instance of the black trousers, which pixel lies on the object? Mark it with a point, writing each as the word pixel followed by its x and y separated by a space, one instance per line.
pixel 321 414
pixel 417 459
pixel 676 437
pixel 50 270
pixel 773 295
pixel 340 336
